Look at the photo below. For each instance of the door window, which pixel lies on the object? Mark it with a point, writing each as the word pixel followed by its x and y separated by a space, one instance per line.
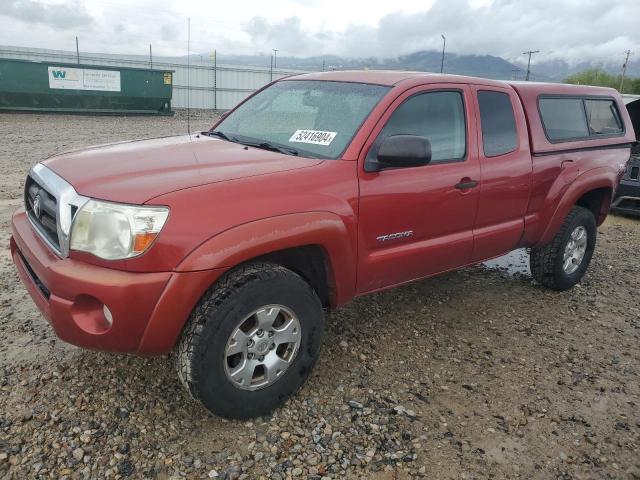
pixel 499 134
pixel 438 116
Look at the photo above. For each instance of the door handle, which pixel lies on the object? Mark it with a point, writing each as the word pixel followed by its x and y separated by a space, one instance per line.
pixel 466 184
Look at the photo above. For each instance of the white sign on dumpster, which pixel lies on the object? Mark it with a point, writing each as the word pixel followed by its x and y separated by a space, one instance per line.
pixel 84 79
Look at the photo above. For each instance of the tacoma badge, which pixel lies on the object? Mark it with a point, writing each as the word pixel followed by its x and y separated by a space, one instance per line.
pixel 393 236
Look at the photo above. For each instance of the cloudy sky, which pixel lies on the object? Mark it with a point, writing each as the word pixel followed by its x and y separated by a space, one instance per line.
pixel 567 29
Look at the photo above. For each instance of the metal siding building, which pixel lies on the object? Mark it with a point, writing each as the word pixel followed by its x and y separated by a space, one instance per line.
pixel 232 83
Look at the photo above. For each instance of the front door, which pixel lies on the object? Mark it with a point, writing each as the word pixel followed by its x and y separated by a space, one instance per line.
pixel 418 221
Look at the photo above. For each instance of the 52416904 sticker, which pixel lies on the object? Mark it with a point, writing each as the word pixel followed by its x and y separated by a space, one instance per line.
pixel 316 137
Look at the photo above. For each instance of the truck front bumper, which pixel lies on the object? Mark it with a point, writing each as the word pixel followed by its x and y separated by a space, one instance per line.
pixel 101 308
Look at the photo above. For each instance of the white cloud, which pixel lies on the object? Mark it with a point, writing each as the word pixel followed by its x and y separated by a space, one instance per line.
pixel 61 15
pixel 568 29
pixel 559 29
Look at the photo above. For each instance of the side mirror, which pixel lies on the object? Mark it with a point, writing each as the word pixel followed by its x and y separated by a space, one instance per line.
pixel 401 151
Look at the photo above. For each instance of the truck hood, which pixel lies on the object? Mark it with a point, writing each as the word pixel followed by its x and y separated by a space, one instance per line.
pixel 137 171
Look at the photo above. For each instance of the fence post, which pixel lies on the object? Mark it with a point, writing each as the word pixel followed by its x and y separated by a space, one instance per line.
pixel 215 80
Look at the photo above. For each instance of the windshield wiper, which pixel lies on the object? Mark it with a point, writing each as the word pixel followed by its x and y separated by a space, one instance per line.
pixel 219 134
pixel 273 148
pixel 263 145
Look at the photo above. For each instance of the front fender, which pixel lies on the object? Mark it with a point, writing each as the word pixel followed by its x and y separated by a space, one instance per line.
pixel 565 199
pixel 254 239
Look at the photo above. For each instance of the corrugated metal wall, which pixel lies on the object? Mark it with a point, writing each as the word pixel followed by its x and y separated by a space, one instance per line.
pixel 233 83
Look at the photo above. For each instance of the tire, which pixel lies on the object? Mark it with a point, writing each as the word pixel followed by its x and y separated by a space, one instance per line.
pixel 205 360
pixel 548 262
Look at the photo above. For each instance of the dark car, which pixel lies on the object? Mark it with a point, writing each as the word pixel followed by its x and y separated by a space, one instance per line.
pixel 627 199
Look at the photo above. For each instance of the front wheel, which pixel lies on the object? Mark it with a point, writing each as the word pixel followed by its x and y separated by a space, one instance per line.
pixel 251 342
pixel 563 262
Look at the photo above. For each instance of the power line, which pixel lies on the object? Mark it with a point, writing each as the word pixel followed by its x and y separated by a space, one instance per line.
pixel 530 52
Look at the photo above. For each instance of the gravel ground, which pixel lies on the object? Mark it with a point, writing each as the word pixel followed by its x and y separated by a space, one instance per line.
pixel 475 374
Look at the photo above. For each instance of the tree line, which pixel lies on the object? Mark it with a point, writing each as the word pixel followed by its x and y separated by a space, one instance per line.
pixel 600 78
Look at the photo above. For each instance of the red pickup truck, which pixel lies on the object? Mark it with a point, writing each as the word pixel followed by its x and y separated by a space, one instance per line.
pixel 226 246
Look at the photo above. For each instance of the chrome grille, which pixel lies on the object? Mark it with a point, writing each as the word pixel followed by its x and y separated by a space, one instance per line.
pixel 51 203
pixel 42 208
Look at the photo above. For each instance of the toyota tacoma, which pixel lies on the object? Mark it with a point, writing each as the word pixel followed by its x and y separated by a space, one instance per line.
pixel 227 246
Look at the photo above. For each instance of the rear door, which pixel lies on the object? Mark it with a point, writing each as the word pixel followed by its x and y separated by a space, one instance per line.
pixel 418 221
pixel 505 166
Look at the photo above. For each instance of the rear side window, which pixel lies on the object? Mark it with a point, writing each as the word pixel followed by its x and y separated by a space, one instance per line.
pixel 438 116
pixel 563 118
pixel 499 134
pixel 574 118
pixel 603 117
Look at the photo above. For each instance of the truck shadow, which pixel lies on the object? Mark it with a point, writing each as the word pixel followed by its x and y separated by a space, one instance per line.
pixel 147 387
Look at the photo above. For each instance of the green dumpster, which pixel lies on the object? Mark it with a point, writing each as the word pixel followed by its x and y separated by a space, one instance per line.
pixel 78 88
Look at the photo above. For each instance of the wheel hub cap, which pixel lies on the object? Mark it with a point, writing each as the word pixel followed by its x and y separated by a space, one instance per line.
pixel 575 250
pixel 262 347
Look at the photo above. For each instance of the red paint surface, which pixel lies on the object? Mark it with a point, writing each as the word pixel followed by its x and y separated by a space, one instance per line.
pixel 230 204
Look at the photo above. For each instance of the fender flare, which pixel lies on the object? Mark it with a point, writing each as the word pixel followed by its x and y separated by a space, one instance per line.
pixel 590 180
pixel 251 240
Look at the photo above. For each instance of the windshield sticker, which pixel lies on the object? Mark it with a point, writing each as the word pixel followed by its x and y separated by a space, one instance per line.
pixel 316 137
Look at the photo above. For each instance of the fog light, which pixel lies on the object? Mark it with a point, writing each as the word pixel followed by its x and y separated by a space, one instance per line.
pixel 107 315
pixel 91 315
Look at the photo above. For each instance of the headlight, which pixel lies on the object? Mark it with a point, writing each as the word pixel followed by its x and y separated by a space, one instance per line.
pixel 113 231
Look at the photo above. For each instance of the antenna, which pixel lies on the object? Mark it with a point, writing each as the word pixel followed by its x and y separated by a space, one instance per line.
pixel 189 76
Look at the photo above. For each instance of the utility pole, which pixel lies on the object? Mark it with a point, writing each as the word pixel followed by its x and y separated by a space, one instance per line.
pixel 530 52
pixel 77 50
pixel 150 57
pixel 323 64
pixel 214 56
pixel 275 58
pixel 514 74
pixel 444 44
pixel 271 69
pixel 624 70
pixel 189 76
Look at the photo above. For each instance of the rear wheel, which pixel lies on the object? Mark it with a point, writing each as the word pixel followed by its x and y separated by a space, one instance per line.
pixel 251 342
pixel 563 262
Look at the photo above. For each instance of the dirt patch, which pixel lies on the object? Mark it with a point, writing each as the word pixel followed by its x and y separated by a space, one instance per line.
pixel 475 374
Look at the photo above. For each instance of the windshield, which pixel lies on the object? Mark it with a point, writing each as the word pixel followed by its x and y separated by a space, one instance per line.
pixel 303 117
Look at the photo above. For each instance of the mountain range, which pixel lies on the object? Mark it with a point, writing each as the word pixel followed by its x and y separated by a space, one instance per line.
pixel 488 66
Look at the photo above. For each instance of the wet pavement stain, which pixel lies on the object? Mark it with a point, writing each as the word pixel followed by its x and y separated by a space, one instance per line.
pixel 513 263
